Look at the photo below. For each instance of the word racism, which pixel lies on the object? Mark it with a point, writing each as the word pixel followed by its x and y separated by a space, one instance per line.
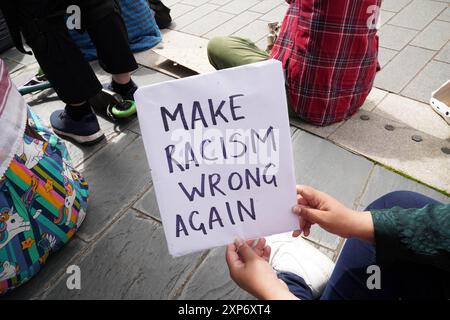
pixel 215 184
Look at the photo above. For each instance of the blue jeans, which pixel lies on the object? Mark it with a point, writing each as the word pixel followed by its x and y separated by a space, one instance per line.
pixel 399 281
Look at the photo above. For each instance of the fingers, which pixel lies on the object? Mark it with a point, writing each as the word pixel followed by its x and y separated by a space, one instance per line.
pixel 302 201
pixel 244 251
pixel 251 243
pixel 260 244
pixel 307 230
pixel 302 189
pixel 266 253
pixel 310 215
pixel 310 195
pixel 232 258
pixel 302 223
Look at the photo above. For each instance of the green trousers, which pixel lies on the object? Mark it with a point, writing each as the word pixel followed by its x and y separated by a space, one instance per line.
pixel 228 52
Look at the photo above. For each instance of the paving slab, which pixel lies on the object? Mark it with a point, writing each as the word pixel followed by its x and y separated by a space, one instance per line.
pixel 266 5
pixel 170 3
pixel 403 68
pixel 323 132
pixel 254 31
pixel 444 54
pixel 134 127
pixel 394 37
pixel 55 267
pixel 293 130
pixel 445 15
pixel 385 56
pixel 434 36
pixel 102 75
pixel 233 25
pixel 417 115
pixel 148 204
pixel 130 261
pixel 238 6
pixel 22 75
pixel 383 181
pixel 262 44
pixel 418 14
pixel 220 2
pixel 373 99
pixel 212 281
pixel 343 177
pixel 179 9
pixel 145 76
pixel 192 16
pixel 13 66
pixel 207 23
pixel 118 175
pixel 385 16
pixel 276 15
pixel 15 55
pixel 431 78
pixel 394 5
pixel 195 3
pixel 422 160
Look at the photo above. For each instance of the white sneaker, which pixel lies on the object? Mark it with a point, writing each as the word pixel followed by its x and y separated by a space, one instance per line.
pixel 297 256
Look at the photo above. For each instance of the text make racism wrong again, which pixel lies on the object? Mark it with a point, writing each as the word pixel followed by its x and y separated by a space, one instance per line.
pixel 182 157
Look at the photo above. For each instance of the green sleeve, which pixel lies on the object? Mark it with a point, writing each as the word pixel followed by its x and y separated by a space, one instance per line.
pixel 414 235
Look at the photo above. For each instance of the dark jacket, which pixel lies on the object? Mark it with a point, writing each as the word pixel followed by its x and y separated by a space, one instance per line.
pixel 413 235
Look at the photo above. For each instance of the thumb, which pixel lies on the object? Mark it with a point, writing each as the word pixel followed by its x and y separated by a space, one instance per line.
pixel 245 251
pixel 311 215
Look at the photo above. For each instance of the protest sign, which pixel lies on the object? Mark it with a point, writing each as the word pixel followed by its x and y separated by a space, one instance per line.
pixel 219 148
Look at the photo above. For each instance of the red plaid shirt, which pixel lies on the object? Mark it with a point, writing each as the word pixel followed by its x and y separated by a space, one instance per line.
pixel 330 57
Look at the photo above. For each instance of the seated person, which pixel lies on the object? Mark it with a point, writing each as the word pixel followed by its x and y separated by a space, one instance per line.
pixel 405 234
pixel 142 29
pixel 329 53
pixel 43 199
pixel 43 26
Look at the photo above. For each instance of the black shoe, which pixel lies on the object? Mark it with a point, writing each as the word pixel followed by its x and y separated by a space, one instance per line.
pixel 86 130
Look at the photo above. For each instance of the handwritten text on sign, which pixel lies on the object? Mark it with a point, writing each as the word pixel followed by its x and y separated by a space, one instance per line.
pixel 220 153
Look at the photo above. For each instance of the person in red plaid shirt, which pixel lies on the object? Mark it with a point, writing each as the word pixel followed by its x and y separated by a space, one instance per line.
pixel 329 51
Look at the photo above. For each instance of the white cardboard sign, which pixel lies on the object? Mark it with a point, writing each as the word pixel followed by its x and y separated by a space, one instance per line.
pixel 219 149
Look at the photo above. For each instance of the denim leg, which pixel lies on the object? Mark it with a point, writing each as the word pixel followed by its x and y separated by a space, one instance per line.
pixel 297 286
pixel 348 280
pixel 402 199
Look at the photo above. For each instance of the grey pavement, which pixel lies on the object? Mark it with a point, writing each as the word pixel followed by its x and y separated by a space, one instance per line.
pixel 121 248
